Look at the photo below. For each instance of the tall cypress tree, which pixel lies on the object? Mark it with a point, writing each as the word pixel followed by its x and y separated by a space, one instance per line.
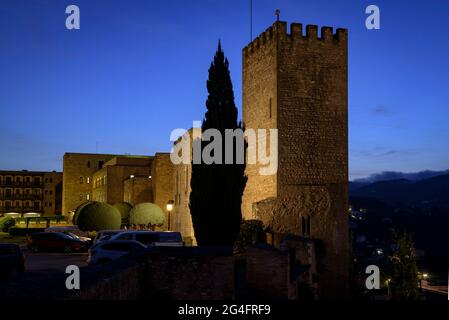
pixel 217 189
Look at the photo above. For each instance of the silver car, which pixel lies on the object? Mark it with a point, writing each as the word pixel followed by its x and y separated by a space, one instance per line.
pixel 104 252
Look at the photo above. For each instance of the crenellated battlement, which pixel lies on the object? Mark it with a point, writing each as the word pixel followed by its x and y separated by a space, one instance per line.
pixel 279 29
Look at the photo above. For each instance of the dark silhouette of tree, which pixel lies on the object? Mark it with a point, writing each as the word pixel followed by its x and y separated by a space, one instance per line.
pixel 217 189
pixel 404 272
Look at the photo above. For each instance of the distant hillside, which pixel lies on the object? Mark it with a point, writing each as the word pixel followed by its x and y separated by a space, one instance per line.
pixel 397 175
pixel 424 192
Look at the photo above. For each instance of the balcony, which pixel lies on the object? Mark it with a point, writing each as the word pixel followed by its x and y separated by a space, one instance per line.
pixel 30 197
pixel 11 184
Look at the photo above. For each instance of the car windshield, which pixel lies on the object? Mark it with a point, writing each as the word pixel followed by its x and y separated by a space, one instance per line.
pixel 72 235
pixel 64 235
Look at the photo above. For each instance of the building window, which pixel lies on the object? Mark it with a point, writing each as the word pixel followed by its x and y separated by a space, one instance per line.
pixel 51 180
pixel 81 180
pixel 88 164
pixel 51 191
pixel 305 223
pixel 270 108
pixel 88 180
pixel 100 164
pixel 46 191
pixel 50 204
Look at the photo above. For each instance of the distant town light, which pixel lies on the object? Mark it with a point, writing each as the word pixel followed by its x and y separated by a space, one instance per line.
pixel 425 275
pixel 149 177
pixel 131 176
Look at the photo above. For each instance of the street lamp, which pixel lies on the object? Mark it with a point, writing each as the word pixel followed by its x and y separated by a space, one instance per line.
pixel 169 210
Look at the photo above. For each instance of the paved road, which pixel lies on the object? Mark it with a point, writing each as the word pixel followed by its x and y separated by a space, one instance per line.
pixel 58 262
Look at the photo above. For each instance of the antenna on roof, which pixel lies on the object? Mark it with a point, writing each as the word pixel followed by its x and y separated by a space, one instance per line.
pixel 251 20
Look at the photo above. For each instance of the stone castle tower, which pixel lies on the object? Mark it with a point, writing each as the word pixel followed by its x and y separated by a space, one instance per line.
pixel 298 83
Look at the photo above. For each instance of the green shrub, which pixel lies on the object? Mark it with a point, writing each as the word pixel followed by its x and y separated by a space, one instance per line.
pixel 78 210
pixel 98 216
pixel 146 214
pixel 6 223
pixel 251 232
pixel 124 208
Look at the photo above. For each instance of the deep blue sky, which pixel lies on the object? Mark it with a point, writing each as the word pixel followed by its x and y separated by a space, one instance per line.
pixel 137 69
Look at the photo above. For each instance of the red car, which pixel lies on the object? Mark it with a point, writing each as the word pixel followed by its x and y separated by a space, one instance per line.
pixel 56 241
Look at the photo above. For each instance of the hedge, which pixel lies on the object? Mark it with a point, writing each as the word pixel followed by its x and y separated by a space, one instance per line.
pixel 98 216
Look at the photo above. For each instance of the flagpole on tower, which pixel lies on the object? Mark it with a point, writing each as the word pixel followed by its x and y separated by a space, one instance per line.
pixel 251 20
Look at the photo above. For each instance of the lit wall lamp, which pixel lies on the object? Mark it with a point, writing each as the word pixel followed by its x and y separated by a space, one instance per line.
pixel 169 210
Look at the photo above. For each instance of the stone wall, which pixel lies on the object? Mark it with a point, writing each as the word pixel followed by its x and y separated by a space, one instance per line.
pixel 138 190
pixel 162 175
pixel 164 273
pixel 259 111
pixel 75 166
pixel 306 74
pixel 267 274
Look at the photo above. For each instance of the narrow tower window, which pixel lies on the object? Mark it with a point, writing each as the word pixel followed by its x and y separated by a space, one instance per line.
pixel 270 109
pixel 305 226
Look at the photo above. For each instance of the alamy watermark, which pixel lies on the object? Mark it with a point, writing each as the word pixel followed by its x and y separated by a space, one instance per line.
pixel 262 147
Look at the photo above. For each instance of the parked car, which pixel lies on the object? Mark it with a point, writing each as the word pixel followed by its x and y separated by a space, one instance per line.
pixel 68 229
pixel 152 238
pixel 56 241
pixel 107 251
pixel 104 235
pixel 12 260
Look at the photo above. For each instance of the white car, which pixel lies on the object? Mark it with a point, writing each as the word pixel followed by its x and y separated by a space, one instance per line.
pixel 107 251
pixel 104 235
pixel 152 238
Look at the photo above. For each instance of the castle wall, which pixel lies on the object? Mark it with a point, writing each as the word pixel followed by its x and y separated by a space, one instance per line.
pixel 162 175
pixel 310 83
pixel 75 190
pixel 259 111
pixel 138 190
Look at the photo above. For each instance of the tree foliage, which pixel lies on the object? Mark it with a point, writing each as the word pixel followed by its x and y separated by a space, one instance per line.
pixel 78 210
pixel 217 189
pixel 251 232
pixel 124 208
pixel 6 223
pixel 98 216
pixel 146 214
pixel 404 272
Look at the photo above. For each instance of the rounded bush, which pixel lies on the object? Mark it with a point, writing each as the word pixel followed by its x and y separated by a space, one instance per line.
pixel 98 216
pixel 124 208
pixel 6 223
pixel 146 214
pixel 78 210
